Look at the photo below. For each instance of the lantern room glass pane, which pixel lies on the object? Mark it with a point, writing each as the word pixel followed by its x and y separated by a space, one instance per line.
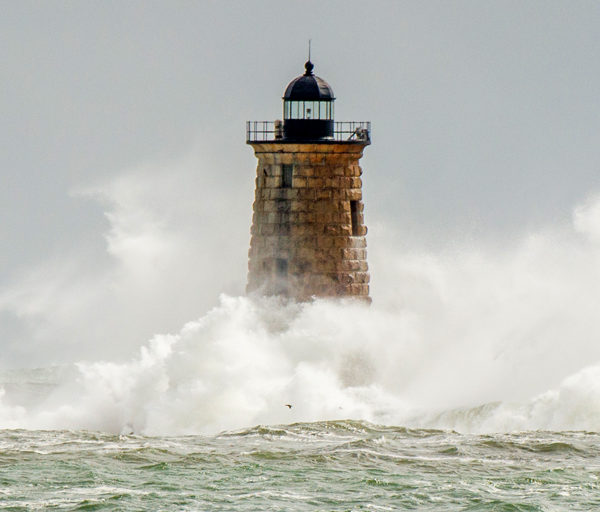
pixel 324 109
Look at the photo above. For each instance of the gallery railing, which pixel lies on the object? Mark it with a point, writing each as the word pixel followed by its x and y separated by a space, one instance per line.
pixel 343 131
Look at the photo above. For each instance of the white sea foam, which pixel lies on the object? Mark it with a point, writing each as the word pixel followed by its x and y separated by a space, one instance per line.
pixel 471 339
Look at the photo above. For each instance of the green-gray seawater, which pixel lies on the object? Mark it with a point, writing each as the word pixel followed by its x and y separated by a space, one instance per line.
pixel 325 466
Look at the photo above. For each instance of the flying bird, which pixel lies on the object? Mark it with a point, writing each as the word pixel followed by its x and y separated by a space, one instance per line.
pixel 289 406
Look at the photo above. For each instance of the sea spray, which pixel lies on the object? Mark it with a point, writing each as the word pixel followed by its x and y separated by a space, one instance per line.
pixel 238 365
pixel 241 363
pixel 473 339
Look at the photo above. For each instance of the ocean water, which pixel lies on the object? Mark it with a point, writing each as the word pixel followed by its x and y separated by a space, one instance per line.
pixel 337 465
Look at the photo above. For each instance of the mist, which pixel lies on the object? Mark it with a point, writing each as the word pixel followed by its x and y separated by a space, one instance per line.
pixel 172 240
pixel 475 337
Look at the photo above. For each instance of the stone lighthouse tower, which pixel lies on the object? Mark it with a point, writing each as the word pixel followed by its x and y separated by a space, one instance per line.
pixel 308 232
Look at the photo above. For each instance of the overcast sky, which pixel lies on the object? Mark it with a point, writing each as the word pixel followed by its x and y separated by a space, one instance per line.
pixel 126 184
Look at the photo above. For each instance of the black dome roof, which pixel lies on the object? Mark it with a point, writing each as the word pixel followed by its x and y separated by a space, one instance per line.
pixel 308 87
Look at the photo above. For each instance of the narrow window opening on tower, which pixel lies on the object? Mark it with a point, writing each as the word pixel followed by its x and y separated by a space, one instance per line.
pixel 354 217
pixel 281 266
pixel 287 173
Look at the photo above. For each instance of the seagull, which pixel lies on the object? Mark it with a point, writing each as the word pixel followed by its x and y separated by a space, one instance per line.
pixel 289 406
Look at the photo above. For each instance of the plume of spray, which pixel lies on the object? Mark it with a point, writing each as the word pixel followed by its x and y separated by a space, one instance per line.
pixel 470 338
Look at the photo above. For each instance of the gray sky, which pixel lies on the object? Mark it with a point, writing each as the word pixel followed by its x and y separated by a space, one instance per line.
pixel 127 187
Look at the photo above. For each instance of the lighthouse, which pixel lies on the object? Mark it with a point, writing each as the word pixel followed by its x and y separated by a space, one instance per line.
pixel 308 236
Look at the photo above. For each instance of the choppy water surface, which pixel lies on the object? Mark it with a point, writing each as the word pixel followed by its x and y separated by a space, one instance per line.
pixel 339 465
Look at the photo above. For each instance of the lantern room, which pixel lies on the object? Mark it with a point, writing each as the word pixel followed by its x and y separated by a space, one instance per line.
pixel 308 107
